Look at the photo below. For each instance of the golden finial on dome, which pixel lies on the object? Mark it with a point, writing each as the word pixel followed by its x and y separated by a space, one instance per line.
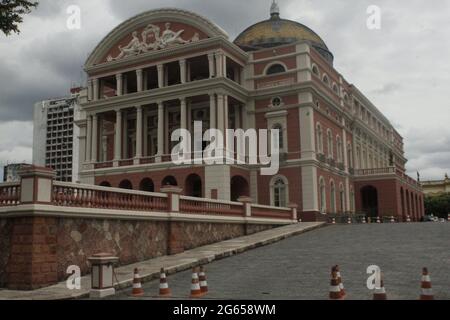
pixel 275 10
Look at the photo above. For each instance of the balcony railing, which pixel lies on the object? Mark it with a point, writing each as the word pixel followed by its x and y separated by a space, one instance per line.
pixel 376 171
pixel 9 194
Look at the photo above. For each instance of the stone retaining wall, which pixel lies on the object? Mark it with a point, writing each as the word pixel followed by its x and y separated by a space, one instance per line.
pixel 36 251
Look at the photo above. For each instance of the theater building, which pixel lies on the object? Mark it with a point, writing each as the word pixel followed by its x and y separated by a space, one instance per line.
pixel 164 69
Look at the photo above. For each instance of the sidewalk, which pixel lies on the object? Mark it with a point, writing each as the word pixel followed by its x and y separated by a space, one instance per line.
pixel 149 270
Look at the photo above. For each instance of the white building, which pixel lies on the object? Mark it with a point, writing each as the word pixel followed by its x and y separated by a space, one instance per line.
pixel 55 138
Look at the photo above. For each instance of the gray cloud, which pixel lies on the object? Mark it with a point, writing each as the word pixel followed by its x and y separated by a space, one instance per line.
pixel 401 68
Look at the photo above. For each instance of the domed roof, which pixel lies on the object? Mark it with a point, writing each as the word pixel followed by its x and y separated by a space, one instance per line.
pixel 276 31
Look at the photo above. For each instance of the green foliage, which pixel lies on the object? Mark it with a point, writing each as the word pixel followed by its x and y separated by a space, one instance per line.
pixel 438 205
pixel 11 14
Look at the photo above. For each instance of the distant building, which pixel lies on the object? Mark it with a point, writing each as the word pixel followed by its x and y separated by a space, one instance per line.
pixel 436 187
pixel 55 142
pixel 10 172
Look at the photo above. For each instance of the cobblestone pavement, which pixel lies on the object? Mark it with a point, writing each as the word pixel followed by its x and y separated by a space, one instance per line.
pixel 299 267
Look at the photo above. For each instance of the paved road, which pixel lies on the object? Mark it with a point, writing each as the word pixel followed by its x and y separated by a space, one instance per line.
pixel 299 267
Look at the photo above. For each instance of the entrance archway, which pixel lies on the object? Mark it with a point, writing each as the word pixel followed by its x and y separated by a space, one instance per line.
pixel 126 184
pixel 239 188
pixel 147 185
pixel 369 196
pixel 169 181
pixel 193 186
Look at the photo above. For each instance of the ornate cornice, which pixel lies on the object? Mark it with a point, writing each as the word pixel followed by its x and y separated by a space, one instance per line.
pixel 143 19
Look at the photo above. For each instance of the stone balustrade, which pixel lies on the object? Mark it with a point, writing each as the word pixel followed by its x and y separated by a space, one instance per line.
pixel 9 194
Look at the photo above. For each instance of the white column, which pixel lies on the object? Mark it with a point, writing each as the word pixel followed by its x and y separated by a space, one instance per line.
pixel 139 118
pixel 219 64
pixel 119 82
pixel 211 65
pixel 94 137
pixel 183 111
pixel 140 80
pixel 183 71
pixel 224 68
pixel 160 129
pixel 145 135
pixel 118 137
pixel 220 113
pixel 95 88
pixel 89 87
pixel 226 113
pixel 212 111
pixel 160 68
pixel 89 139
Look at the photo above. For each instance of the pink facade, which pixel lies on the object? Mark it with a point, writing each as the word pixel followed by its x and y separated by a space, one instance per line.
pixel 165 69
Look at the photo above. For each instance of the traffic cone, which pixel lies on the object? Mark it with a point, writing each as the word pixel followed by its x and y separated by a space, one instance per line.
pixel 333 221
pixel 341 284
pixel 195 286
pixel 448 217
pixel 427 291
pixel 392 219
pixel 349 220
pixel 380 293
pixel 364 220
pixel 164 290
pixel 378 220
pixel 335 291
pixel 203 282
pixel 408 219
pixel 137 286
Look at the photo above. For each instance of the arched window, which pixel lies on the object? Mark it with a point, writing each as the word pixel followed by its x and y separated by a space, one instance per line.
pixel 350 155
pixel 147 185
pixel 335 88
pixel 276 68
pixel 341 198
pixel 330 144
pixel 322 196
pixel 325 79
pixel 339 149
pixel 352 200
pixel 279 190
pixel 319 138
pixel 315 70
pixel 333 197
pixel 105 184
pixel 169 181
pixel 126 184
pixel 279 127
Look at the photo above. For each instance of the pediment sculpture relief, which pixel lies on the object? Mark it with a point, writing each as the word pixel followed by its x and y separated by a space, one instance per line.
pixel 152 39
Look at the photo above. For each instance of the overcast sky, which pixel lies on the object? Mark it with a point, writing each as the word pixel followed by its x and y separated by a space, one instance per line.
pixel 404 68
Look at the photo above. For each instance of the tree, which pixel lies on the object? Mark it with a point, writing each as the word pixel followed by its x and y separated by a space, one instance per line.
pixel 438 205
pixel 11 14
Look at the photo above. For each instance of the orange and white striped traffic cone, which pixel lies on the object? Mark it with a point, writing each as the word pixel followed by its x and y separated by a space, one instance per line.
pixel 196 292
pixel 333 221
pixel 448 217
pixel 335 290
pixel 203 281
pixel 137 286
pixel 349 220
pixel 378 220
pixel 380 293
pixel 341 283
pixel 392 219
pixel 364 220
pixel 427 291
pixel 164 290
pixel 408 219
